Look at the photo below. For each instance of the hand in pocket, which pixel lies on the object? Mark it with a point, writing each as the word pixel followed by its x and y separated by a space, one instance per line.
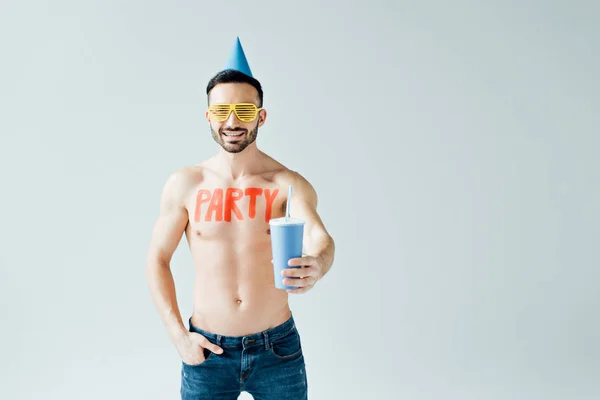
pixel 192 346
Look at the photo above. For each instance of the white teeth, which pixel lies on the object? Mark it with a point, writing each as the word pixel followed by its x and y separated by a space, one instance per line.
pixel 234 135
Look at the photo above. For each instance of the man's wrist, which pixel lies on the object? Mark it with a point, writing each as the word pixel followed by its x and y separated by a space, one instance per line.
pixel 325 259
pixel 321 264
pixel 177 332
pixel 175 328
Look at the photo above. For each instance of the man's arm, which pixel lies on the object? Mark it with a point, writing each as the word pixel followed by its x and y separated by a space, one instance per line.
pixel 166 235
pixel 318 243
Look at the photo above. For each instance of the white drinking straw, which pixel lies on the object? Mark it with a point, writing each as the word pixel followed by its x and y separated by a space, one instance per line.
pixel 289 199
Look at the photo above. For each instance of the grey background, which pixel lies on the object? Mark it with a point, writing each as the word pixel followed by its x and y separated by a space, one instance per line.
pixel 453 146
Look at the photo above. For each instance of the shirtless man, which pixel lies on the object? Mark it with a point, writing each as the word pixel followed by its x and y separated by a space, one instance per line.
pixel 241 336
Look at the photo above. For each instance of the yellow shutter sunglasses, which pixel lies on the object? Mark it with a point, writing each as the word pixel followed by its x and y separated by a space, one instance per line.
pixel 245 112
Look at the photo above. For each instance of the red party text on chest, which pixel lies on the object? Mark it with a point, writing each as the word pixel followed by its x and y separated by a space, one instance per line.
pixel 220 204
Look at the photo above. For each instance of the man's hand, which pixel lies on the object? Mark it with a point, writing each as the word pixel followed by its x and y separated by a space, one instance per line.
pixel 191 347
pixel 305 277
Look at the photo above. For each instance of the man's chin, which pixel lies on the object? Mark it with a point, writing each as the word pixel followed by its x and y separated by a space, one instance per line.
pixel 233 147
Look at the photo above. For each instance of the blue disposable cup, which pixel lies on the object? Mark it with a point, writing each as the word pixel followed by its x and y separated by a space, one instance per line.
pixel 286 243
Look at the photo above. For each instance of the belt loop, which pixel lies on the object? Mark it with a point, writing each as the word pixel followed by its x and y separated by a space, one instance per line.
pixel 218 340
pixel 267 344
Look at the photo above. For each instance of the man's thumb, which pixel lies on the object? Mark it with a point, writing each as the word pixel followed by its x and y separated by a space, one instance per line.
pixel 204 342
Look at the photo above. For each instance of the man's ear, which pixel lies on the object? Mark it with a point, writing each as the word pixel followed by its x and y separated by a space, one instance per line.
pixel 262 117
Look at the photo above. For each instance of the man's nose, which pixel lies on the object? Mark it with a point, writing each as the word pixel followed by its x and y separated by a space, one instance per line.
pixel 232 120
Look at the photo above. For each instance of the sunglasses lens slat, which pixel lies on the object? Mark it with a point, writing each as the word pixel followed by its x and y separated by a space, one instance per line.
pixel 246 112
pixel 220 111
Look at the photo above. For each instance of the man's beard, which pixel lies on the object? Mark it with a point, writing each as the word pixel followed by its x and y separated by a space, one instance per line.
pixel 239 146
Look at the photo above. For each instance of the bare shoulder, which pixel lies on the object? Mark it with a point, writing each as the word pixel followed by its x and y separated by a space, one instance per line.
pixel 301 186
pixel 180 182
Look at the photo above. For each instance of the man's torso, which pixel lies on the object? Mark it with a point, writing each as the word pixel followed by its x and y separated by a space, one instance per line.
pixel 229 239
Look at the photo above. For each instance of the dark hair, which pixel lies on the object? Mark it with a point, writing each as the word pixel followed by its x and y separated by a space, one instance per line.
pixel 234 76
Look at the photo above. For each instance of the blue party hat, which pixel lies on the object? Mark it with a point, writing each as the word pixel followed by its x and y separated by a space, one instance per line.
pixel 237 59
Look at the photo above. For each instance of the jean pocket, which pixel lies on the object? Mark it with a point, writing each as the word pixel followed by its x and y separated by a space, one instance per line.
pixel 207 355
pixel 287 347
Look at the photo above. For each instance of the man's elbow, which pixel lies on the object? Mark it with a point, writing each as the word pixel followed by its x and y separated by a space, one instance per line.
pixel 157 261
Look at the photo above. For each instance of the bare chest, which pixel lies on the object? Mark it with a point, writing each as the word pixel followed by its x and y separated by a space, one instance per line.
pixel 229 211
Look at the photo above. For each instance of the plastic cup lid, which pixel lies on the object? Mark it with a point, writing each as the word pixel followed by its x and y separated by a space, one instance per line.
pixel 287 221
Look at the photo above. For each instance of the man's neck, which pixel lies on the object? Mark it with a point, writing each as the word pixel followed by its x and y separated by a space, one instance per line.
pixel 237 165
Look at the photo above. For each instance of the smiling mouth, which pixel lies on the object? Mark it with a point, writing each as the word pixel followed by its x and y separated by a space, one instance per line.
pixel 233 134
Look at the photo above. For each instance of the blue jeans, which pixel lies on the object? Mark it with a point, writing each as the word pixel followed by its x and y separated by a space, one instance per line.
pixel 269 365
